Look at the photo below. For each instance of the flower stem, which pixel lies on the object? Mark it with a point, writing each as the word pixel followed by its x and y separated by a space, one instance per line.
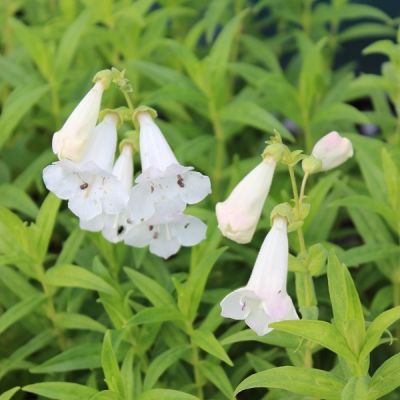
pixel 129 101
pixel 304 282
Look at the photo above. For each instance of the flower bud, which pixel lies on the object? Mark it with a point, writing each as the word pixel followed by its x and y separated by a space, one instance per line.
pixel 332 150
pixel 71 140
pixel 238 215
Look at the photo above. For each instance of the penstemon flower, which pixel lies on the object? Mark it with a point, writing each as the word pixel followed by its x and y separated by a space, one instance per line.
pixel 238 215
pixel 166 236
pixel 264 299
pixel 332 150
pixel 71 140
pixel 89 185
pixel 163 179
pixel 114 226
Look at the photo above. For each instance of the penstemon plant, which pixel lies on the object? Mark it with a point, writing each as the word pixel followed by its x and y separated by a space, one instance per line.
pixel 182 265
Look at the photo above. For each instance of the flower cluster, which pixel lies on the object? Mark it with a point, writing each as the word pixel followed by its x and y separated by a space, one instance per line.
pixel 100 190
pixel 264 299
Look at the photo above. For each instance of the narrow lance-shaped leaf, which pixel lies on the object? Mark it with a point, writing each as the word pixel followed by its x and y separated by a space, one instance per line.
pixel 304 381
pixel 319 332
pixel 347 310
pixel 385 379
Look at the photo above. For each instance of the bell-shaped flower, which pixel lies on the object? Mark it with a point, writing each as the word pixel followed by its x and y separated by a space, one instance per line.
pixel 114 226
pixel 165 236
pixel 89 186
pixel 162 177
pixel 239 214
pixel 332 150
pixel 71 140
pixel 264 299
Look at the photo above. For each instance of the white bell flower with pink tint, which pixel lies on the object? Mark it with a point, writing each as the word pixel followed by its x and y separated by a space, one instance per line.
pixel 332 150
pixel 89 185
pixel 239 214
pixel 162 178
pixel 166 236
pixel 71 140
pixel 264 299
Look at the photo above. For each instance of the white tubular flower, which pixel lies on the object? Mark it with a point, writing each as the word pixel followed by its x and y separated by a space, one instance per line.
pixel 332 150
pixel 162 178
pixel 264 299
pixel 72 139
pixel 238 215
pixel 165 238
pixel 89 186
pixel 114 226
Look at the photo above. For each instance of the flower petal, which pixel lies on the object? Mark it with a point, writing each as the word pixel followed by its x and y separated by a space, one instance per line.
pixel 258 321
pixel 189 230
pixel 233 305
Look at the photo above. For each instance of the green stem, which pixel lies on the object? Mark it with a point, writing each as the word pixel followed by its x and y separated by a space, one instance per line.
pixel 195 362
pixel 129 101
pixel 51 309
pixel 304 282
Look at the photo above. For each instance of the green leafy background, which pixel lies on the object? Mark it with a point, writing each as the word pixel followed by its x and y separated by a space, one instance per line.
pixel 81 318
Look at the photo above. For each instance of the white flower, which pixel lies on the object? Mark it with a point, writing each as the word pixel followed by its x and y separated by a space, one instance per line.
pixel 115 226
pixel 264 299
pixel 89 185
pixel 71 140
pixel 165 237
pixel 162 178
pixel 238 215
pixel 332 150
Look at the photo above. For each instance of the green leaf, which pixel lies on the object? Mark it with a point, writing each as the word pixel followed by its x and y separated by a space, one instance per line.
pixel 339 112
pixel 45 222
pixel 153 315
pixel 249 113
pixel 392 179
pixel 32 346
pixel 376 329
pixel 17 105
pixel 19 311
pixel 369 204
pixel 366 30
pixel 71 246
pixel 60 390
pixel 9 393
pixel 109 363
pixel 208 342
pixel 304 381
pixel 217 376
pixel 191 292
pixel 356 388
pixel 386 378
pixel 368 253
pixel 67 320
pixel 161 363
pixel 319 332
pixel 274 338
pixel 156 294
pixel 166 394
pixel 347 309
pixel 80 357
pixel 69 43
pixel 316 259
pixel 16 199
pixel 73 276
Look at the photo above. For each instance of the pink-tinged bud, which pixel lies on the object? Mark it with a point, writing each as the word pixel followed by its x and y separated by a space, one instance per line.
pixel 332 150
pixel 238 215
pixel 71 140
